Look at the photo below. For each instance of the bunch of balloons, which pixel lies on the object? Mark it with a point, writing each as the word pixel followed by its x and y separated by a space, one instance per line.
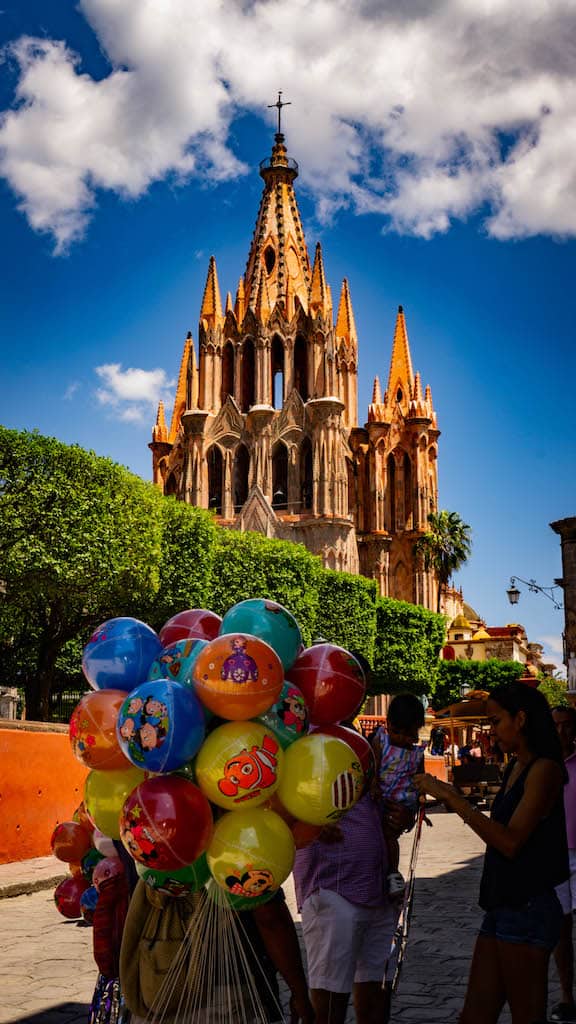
pixel 215 749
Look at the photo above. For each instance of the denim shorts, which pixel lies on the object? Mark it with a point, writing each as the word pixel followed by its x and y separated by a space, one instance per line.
pixel 536 923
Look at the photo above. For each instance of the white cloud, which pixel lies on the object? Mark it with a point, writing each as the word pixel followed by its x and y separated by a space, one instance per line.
pixel 553 645
pixel 71 390
pixel 423 112
pixel 133 393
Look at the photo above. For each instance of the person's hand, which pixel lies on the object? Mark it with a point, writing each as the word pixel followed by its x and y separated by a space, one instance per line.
pixel 331 834
pixel 398 817
pixel 301 1009
pixel 427 783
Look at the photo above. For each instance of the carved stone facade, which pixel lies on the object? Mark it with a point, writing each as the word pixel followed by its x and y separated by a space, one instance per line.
pixel 265 430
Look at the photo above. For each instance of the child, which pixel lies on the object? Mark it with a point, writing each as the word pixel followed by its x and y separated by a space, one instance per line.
pixel 398 760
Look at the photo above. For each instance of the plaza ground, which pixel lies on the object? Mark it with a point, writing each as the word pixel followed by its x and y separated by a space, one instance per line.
pixel 47 973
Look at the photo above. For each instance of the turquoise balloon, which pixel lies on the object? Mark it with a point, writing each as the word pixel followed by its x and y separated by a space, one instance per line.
pixel 268 621
pixel 288 717
pixel 177 661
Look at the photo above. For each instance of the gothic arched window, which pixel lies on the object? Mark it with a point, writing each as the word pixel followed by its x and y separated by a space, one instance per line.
pixel 227 371
pixel 391 488
pixel 408 519
pixel 301 367
pixel 240 476
pixel 248 374
pixel 306 476
pixel 280 476
pixel 277 375
pixel 215 471
pixel 171 485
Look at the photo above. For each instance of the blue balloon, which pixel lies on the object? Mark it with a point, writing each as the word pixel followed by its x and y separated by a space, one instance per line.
pixel 88 902
pixel 176 661
pixel 119 654
pixel 268 621
pixel 160 726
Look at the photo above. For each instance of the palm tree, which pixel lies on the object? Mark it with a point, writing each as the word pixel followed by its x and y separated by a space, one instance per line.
pixel 445 547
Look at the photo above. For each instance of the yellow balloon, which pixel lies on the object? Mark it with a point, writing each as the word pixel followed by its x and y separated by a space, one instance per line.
pixel 321 780
pixel 239 765
pixel 251 853
pixel 105 794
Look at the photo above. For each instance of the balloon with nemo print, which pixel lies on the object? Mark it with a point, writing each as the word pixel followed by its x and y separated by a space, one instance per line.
pixel 239 765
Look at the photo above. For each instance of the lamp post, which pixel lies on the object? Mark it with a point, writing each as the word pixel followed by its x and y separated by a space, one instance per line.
pixel 535 588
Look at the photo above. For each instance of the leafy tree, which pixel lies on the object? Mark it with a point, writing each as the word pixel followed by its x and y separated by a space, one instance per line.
pixel 80 542
pixel 347 611
pixel 454 677
pixel 187 555
pixel 406 648
pixel 554 689
pixel 445 547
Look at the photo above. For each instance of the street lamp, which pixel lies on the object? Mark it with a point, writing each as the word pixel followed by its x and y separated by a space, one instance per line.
pixel 535 588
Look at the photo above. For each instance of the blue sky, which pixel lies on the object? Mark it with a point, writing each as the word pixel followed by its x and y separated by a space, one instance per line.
pixel 436 146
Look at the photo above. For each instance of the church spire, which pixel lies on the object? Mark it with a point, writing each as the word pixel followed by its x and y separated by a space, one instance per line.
pixel 160 430
pixel 345 324
pixel 240 303
pixel 319 294
pixel 401 377
pixel 278 247
pixel 181 398
pixel 211 310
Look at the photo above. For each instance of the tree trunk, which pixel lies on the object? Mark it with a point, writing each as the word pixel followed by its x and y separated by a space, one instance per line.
pixel 39 689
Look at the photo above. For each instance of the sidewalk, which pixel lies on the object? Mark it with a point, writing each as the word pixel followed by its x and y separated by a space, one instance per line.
pixel 26 876
pixel 48 973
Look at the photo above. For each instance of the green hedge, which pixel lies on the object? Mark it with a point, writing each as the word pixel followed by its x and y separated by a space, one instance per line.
pixel 407 645
pixel 347 611
pixel 452 676
pixel 249 565
pixel 187 555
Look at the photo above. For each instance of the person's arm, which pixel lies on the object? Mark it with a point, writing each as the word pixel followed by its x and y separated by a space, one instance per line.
pixel 276 927
pixel 541 791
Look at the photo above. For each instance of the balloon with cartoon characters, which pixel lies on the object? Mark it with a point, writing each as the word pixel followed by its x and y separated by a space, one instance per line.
pixel 288 717
pixel 160 726
pixel 92 730
pixel 176 661
pixel 239 764
pixel 166 823
pixel 269 621
pixel 119 654
pixel 238 676
pixel 322 779
pixel 251 853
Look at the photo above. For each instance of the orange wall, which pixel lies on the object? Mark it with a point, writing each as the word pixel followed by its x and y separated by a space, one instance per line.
pixel 41 783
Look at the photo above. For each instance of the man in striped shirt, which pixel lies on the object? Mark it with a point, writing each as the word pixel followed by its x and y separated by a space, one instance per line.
pixel 347 919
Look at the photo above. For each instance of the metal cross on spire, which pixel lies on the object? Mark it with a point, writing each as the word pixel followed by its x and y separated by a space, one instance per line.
pixel 279 104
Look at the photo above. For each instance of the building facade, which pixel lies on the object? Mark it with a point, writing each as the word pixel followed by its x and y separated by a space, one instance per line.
pixel 264 430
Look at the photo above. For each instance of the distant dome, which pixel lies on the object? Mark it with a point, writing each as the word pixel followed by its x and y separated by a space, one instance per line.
pixel 460 622
pixel 470 613
pixel 481 634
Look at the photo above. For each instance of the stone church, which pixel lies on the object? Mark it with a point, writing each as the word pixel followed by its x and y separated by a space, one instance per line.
pixel 264 430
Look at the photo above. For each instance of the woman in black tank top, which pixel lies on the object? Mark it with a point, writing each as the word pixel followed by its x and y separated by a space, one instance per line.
pixel 526 858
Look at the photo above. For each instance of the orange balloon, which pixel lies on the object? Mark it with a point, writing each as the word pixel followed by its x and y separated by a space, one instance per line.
pixel 93 731
pixel 70 841
pixel 238 676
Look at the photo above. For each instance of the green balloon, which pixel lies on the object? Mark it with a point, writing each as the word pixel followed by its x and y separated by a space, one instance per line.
pixel 180 881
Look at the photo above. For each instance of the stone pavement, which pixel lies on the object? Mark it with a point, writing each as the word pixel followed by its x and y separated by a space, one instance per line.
pixel 47 973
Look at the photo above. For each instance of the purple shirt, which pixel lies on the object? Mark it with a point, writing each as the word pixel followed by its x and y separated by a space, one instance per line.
pixel 570 801
pixel 356 867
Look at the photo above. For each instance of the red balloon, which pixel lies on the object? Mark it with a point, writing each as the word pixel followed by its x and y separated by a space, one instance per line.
pixel 357 741
pixel 195 624
pixel 67 896
pixel 106 870
pixel 166 823
pixel 93 730
pixel 332 682
pixel 70 842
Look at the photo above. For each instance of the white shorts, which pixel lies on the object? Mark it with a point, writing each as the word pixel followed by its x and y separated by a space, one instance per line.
pixel 566 892
pixel 345 942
